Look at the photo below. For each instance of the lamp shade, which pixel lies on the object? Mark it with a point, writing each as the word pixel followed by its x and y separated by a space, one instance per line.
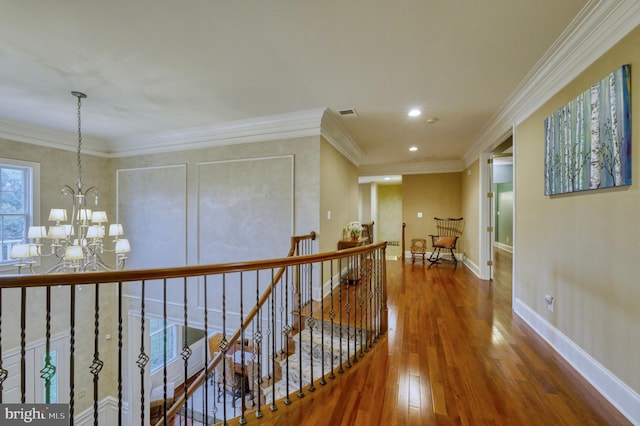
pixel 19 251
pixel 99 217
pixel 123 246
pixel 57 232
pixel 58 215
pixel 73 253
pixel 37 232
pixel 115 229
pixel 68 230
pixel 95 231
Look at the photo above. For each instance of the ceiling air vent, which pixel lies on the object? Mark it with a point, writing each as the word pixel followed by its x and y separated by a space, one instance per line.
pixel 348 113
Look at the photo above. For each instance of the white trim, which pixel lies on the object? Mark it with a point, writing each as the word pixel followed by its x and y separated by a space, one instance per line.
pixel 261 129
pixel 334 132
pixel 107 413
pixel 472 266
pixel 503 246
pixel 444 166
pixel 621 396
pixel 49 138
pixel 484 217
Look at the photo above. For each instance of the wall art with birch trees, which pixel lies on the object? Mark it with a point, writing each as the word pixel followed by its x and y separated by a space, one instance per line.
pixel 588 141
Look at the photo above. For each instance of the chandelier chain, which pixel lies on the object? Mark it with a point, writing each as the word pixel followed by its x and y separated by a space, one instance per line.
pixel 79 145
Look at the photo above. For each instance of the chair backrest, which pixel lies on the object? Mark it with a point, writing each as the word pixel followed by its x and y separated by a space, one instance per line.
pixel 418 245
pixel 367 232
pixel 449 227
pixel 224 368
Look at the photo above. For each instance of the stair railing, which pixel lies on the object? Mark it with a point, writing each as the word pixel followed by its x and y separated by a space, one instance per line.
pixel 248 305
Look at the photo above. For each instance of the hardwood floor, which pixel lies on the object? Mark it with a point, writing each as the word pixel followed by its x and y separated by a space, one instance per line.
pixel 454 354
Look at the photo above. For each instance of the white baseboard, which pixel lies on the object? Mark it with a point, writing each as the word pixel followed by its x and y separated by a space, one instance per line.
pixel 502 246
pixel 621 396
pixel 107 413
pixel 472 266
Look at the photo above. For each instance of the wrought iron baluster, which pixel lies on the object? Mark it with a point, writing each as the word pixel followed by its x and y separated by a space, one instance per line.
pixel 332 316
pixel 120 353
pixel 3 372
pixel 323 381
pixel 310 323
pixel 347 309
pixel 72 353
pixel 340 309
pixel 164 351
pixel 256 376
pixel 186 350
pixel 49 370
pixel 287 331
pixel 297 283
pixel 224 346
pixel 243 407
pixel 143 358
pixel 271 331
pixel 364 277
pixel 23 344
pixel 97 364
pixel 206 353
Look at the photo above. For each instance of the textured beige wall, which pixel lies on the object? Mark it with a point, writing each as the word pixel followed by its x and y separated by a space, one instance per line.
pixel 435 195
pixel 470 244
pixel 582 248
pixel 338 194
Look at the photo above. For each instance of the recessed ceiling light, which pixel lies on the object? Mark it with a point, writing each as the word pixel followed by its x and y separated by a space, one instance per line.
pixel 413 148
pixel 414 112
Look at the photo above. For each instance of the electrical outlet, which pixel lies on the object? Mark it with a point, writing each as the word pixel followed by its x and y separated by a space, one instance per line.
pixel 549 299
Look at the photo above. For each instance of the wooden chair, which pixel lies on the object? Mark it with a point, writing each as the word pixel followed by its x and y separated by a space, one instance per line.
pixel 418 248
pixel 448 232
pixel 226 380
pixel 367 232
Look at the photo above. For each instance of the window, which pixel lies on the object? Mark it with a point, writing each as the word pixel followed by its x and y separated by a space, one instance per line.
pixel 19 204
pixel 156 331
pixel 53 388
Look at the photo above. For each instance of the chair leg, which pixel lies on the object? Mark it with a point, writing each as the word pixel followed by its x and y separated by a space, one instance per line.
pixel 435 255
pixel 453 257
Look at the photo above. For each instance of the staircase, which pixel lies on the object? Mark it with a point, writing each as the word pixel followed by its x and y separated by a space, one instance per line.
pixel 318 351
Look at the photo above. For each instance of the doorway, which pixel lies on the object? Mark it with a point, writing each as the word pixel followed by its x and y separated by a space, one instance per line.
pixel 502 211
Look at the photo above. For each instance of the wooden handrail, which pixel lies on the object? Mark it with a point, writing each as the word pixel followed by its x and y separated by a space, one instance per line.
pixel 18 281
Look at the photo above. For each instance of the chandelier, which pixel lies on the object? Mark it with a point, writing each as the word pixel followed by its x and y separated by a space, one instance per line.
pixel 77 241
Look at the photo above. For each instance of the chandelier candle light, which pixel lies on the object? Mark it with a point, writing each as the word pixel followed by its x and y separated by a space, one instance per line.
pixel 77 241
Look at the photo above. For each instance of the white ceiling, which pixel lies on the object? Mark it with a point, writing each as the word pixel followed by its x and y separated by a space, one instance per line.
pixel 154 66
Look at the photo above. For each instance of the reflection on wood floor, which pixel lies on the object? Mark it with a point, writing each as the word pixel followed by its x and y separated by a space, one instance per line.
pixel 454 354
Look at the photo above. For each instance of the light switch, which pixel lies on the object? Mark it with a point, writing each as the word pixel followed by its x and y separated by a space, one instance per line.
pixel 328 214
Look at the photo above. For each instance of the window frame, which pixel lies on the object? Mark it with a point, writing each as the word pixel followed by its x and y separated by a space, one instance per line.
pixel 32 199
pixel 177 332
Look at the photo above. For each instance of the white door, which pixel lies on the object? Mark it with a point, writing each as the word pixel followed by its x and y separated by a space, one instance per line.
pixel 35 391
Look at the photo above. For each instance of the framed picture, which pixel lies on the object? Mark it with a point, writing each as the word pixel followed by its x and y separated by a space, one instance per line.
pixel 588 141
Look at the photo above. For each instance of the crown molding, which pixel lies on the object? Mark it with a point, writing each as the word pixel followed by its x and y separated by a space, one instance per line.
pixel 261 129
pixel 49 138
pixel 598 27
pixel 444 166
pixel 335 133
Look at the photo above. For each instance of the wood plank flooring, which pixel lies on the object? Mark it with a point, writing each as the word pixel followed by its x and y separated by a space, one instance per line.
pixel 454 354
